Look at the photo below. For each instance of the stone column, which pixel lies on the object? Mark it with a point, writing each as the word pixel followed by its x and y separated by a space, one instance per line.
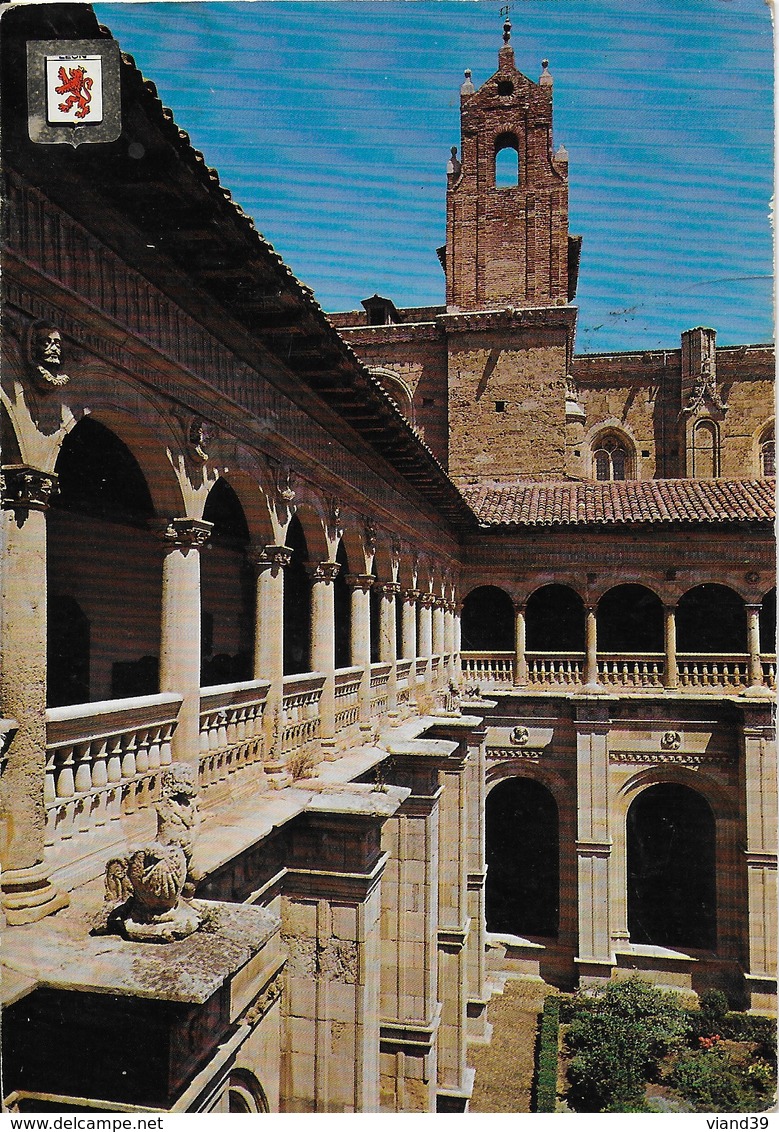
pixel 410 1010
pixel 458 626
pixel 593 845
pixel 449 648
pixel 269 647
pixel 180 632
pixel 409 630
pixel 671 679
pixel 753 646
pixel 591 647
pixel 425 645
pixel 331 911
pixel 438 627
pixel 520 656
pixel 323 574
pixel 27 894
pixel 455 1079
pixel 759 793
pixel 388 643
pixel 361 638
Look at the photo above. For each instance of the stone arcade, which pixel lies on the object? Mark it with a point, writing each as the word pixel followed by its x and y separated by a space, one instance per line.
pixel 441 682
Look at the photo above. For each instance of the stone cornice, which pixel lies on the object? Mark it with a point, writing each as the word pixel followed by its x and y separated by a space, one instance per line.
pixel 508 318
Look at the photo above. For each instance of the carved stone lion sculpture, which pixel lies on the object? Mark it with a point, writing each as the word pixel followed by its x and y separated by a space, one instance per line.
pixel 147 891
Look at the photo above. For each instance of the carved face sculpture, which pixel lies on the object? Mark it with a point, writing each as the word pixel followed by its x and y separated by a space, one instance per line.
pixel 47 346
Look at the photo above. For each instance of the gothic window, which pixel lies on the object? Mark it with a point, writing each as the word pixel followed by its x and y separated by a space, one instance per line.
pixel 705 450
pixel 768 453
pixel 610 458
pixel 506 161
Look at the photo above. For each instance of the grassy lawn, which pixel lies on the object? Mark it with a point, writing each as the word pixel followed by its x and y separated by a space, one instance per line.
pixel 504 1068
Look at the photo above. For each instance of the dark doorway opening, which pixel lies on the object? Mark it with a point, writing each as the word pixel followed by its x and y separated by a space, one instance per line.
pixel 554 620
pixel 671 846
pixel 523 859
pixel 488 620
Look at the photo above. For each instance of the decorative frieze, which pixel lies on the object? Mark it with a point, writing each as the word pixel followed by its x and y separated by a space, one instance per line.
pixel 527 754
pixel 27 488
pixel 677 758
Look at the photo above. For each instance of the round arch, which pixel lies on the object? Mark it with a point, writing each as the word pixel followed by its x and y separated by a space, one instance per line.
pixel 612 452
pixel 554 619
pixel 487 620
pixel 523 858
pixel 396 389
pixel 630 620
pixel 711 618
pixel 671 868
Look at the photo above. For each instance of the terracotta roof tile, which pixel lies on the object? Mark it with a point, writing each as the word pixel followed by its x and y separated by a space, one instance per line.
pixel 645 501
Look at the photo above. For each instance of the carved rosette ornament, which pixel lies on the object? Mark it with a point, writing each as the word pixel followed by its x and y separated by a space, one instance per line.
pixel 27 488
pixel 325 572
pixel 188 533
pixel 44 351
pixel 147 892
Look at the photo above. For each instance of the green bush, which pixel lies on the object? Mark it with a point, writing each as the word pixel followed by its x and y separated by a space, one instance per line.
pixel 617 1042
pixel 714 1082
pixel 546 1059
pixel 752 1028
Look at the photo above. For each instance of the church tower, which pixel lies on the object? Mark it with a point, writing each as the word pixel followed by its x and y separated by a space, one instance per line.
pixel 507 240
pixel 510 274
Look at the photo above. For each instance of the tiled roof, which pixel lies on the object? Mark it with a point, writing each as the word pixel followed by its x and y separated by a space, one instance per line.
pixel 632 501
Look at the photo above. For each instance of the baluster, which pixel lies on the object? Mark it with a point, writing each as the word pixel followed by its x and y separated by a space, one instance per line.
pixel 142 768
pixel 129 740
pixel 113 794
pixel 166 756
pixel 154 749
pixel 99 780
pixel 50 798
pixel 65 787
pixel 82 780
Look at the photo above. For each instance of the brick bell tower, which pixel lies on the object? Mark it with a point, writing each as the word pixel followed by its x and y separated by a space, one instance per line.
pixel 511 270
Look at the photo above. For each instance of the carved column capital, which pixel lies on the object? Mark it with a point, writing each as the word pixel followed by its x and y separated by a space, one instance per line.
pixel 389 589
pixel 427 600
pixel 410 595
pixel 273 557
pixel 325 572
pixel 188 533
pixel 26 488
pixel 360 581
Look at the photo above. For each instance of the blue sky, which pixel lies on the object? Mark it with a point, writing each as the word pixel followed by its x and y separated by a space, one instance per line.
pixel 331 123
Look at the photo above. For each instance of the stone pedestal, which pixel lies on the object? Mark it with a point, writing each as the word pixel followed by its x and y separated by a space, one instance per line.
pixel 180 632
pixel 410 1010
pixel 594 960
pixel 158 1026
pixel 331 908
pixel 27 894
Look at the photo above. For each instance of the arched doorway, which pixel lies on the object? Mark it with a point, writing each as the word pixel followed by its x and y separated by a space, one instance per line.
pixel 297 603
pixel 104 573
pixel 554 620
pixel 630 620
pixel 711 618
pixel 523 859
pixel 488 620
pixel 671 855
pixel 227 591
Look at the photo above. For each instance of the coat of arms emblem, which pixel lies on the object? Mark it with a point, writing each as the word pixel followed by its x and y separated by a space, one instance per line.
pixel 74 89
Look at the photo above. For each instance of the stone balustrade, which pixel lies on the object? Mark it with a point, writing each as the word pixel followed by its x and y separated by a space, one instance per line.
pixel 403 669
pixel 702 671
pixel 550 668
pixel 103 760
pixel 619 670
pixel 494 668
pixel 301 723
pixel 379 687
pixel 347 696
pixel 231 732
